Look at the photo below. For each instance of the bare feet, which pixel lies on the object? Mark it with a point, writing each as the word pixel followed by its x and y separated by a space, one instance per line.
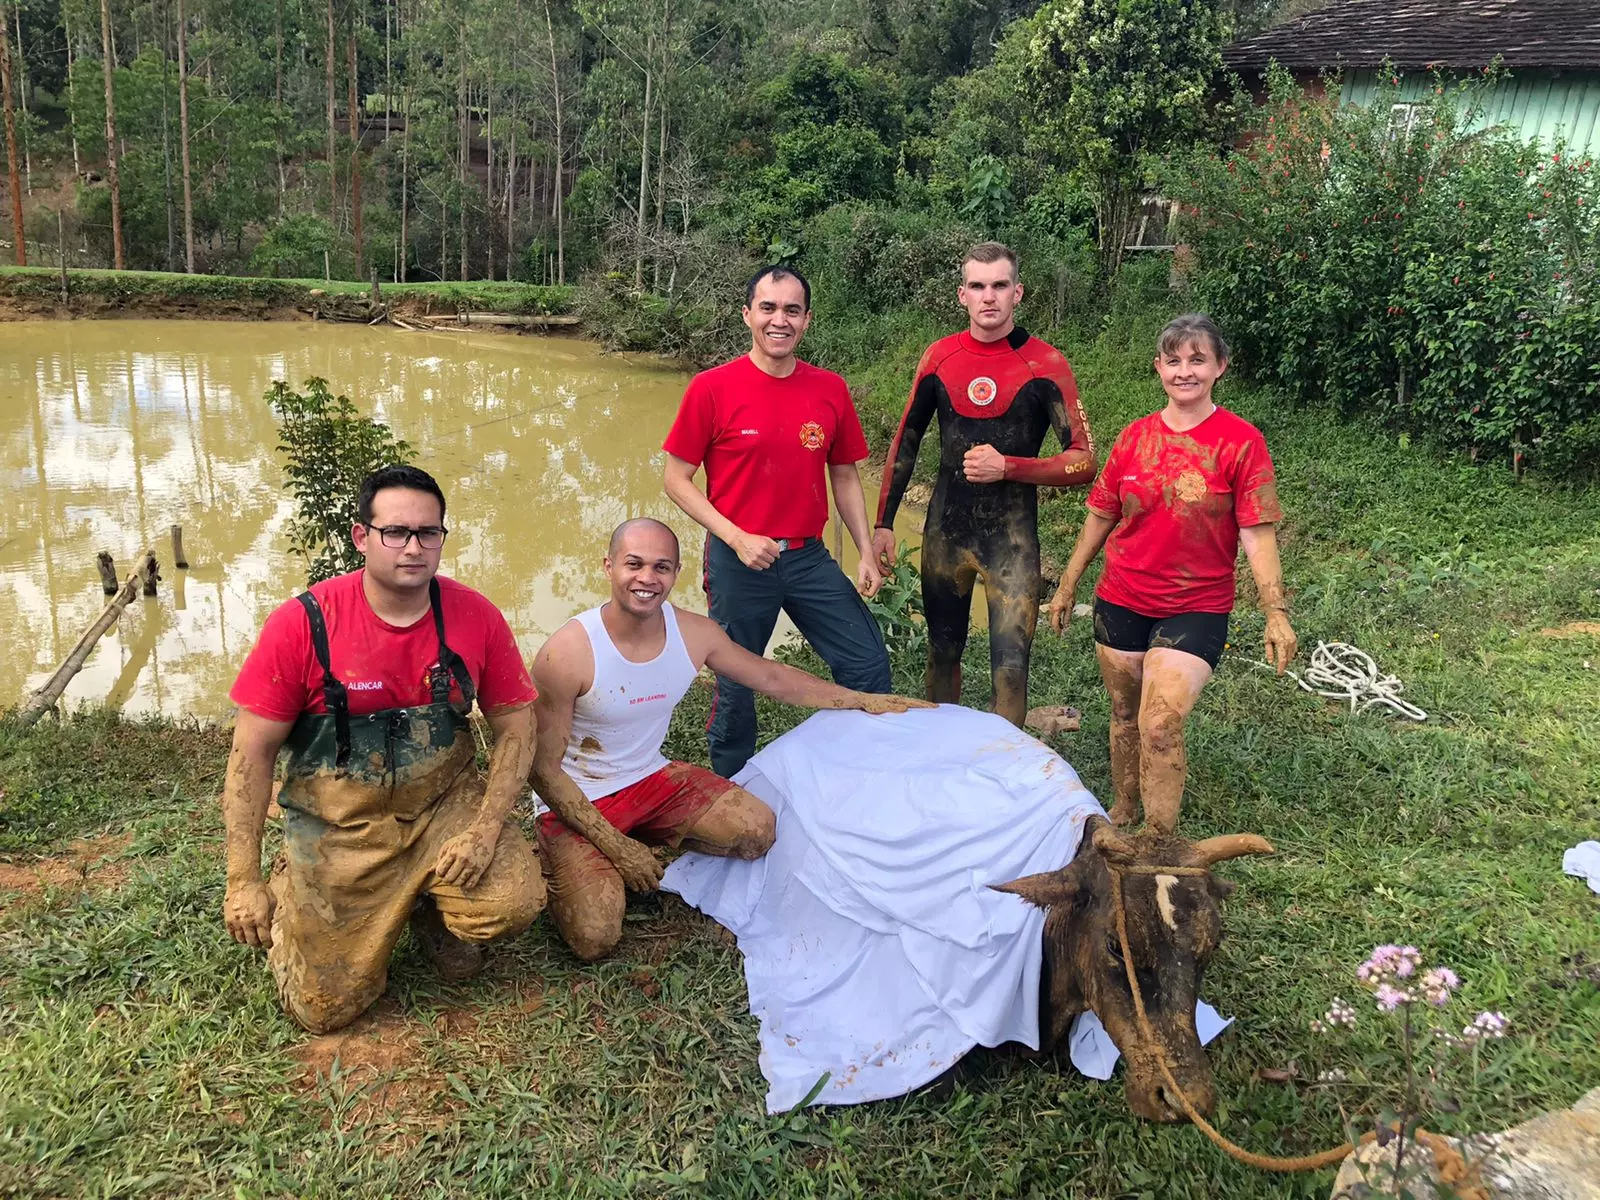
pixel 1123 814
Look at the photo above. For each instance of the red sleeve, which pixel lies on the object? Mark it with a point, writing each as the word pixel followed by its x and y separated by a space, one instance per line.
pixel 1074 466
pixel 1255 486
pixel 902 460
pixel 694 427
pixel 1103 498
pixel 504 682
pixel 849 442
pixel 275 680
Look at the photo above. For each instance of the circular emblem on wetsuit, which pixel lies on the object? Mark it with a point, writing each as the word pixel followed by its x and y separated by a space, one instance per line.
pixel 1190 486
pixel 981 391
pixel 812 435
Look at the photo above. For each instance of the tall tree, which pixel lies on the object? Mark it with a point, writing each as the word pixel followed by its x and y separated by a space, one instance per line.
pixel 183 137
pixel 107 62
pixel 354 108
pixel 333 149
pixel 22 96
pixel 560 167
pixel 463 146
pixel 72 90
pixel 20 247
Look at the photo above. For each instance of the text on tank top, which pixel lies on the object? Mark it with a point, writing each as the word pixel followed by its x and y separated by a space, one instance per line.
pixel 618 725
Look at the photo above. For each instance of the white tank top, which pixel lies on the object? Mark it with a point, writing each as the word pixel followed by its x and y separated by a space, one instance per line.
pixel 618 725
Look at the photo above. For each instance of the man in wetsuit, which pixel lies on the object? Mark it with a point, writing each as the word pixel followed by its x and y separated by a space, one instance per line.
pixel 774 433
pixel 367 678
pixel 996 391
pixel 608 681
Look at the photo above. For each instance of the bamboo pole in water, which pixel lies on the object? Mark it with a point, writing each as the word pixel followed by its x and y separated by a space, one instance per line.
pixel 45 698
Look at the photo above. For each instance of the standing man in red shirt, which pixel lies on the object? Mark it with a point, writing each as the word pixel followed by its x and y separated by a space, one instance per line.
pixel 773 432
pixel 997 391
pixel 367 679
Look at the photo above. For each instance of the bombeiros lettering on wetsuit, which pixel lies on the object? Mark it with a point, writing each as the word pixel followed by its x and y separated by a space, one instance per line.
pixel 1006 394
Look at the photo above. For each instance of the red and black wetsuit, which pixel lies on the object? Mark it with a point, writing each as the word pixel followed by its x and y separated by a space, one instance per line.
pixel 1005 394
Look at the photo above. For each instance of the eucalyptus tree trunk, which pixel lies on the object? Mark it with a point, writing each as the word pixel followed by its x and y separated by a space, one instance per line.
pixel 106 64
pixel 333 151
pixel 463 146
pixel 555 86
pixel 183 135
pixel 405 186
pixel 20 244
pixel 22 97
pixel 354 116
pixel 72 95
pixel 644 166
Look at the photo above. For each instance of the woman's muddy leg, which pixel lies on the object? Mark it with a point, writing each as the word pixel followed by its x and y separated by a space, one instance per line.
pixel 1173 680
pixel 1123 673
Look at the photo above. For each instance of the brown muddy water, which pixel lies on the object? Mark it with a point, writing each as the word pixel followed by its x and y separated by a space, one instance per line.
pixel 112 431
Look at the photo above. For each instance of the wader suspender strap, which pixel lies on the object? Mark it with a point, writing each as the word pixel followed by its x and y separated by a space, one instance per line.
pixel 448 658
pixel 333 693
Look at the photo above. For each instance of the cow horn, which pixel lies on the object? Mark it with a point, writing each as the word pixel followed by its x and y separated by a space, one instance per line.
pixel 1044 889
pixel 1112 844
pixel 1230 845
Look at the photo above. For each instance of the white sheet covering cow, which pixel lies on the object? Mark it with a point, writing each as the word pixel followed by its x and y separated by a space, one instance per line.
pixel 874 949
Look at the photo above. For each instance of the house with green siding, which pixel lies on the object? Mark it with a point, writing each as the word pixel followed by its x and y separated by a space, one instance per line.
pixel 1550 50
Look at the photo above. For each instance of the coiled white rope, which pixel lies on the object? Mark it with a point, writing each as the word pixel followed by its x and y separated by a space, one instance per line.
pixel 1341 671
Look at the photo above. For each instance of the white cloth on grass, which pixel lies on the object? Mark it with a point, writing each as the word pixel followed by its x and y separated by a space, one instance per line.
pixel 1583 860
pixel 873 947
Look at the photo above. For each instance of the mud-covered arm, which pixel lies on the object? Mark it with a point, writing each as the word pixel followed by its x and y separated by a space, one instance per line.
pixel 246 791
pixel 1261 548
pixel 465 857
pixel 1075 465
pixel 558 684
pixel 1091 538
pixel 902 460
pixel 779 680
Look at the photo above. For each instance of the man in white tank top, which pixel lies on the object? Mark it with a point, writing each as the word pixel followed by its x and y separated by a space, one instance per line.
pixel 608 681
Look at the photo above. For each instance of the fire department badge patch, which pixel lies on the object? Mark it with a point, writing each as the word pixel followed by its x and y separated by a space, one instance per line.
pixel 981 391
pixel 812 435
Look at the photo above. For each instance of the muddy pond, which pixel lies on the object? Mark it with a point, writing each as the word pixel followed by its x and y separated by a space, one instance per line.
pixel 113 431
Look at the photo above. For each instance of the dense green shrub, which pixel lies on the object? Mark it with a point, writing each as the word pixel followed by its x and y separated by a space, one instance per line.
pixel 1442 276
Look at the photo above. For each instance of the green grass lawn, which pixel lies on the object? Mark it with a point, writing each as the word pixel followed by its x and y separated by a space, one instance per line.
pixel 144 1054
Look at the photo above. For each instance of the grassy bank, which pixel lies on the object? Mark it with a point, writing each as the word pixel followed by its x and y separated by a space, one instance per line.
pixel 144 1054
pixel 36 290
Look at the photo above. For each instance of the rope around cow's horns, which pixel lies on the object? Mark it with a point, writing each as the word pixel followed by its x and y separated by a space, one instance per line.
pixel 1341 671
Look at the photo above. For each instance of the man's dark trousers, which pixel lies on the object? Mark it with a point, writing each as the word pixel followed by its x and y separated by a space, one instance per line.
pixel 825 607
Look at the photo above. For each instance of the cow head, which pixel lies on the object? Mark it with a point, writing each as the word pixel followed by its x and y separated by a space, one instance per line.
pixel 1174 924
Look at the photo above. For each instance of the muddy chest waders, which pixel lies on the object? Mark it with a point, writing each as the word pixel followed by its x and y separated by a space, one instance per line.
pixel 368 801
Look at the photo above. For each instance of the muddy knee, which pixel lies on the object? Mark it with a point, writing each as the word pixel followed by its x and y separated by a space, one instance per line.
pixel 320 1014
pixel 758 838
pixel 1161 733
pixel 592 935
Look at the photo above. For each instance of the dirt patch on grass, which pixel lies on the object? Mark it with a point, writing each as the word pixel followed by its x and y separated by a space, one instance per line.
pixel 89 305
pixel 85 861
pixel 372 1072
pixel 1572 629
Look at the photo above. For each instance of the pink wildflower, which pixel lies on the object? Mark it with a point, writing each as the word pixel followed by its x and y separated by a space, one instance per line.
pixel 1485 1025
pixel 1438 984
pixel 1390 998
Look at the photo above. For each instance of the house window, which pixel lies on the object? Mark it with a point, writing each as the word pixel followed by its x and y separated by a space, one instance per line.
pixel 1402 117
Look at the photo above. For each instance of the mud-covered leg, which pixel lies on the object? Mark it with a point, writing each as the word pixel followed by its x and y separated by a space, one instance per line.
pixel 511 892
pixel 948 573
pixel 1011 585
pixel 736 825
pixel 587 896
pixel 1172 683
pixel 1123 673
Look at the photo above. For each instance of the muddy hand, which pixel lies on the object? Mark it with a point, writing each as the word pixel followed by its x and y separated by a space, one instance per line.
pixel 883 548
pixel 754 551
pixel 1281 642
pixel 463 859
pixel 879 704
pixel 868 578
pixel 983 464
pixel 1061 609
pixel 636 864
pixel 247 912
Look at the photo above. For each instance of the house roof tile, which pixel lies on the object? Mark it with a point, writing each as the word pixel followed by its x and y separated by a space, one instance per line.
pixel 1525 34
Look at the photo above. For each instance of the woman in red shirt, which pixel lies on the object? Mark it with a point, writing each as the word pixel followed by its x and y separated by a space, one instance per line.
pixel 1179 491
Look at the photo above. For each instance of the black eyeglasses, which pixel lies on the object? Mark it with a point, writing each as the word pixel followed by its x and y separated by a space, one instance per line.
pixel 429 537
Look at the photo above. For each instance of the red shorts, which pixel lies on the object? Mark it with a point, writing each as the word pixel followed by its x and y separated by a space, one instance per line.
pixel 659 808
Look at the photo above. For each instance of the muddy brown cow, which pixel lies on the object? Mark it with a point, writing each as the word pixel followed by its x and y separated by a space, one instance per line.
pixel 1174 924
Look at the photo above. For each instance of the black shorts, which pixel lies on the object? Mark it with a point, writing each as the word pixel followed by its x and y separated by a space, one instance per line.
pixel 1198 633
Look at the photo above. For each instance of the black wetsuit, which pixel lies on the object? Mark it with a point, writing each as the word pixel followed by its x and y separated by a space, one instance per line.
pixel 1006 394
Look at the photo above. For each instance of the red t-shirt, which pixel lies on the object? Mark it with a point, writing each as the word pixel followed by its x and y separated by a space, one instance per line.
pixel 1181 499
pixel 766 443
pixel 381 665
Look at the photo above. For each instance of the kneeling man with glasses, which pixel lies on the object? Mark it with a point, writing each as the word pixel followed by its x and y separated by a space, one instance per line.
pixel 367 679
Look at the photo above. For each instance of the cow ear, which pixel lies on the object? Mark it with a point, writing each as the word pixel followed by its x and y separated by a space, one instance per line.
pixel 1044 889
pixel 1230 845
